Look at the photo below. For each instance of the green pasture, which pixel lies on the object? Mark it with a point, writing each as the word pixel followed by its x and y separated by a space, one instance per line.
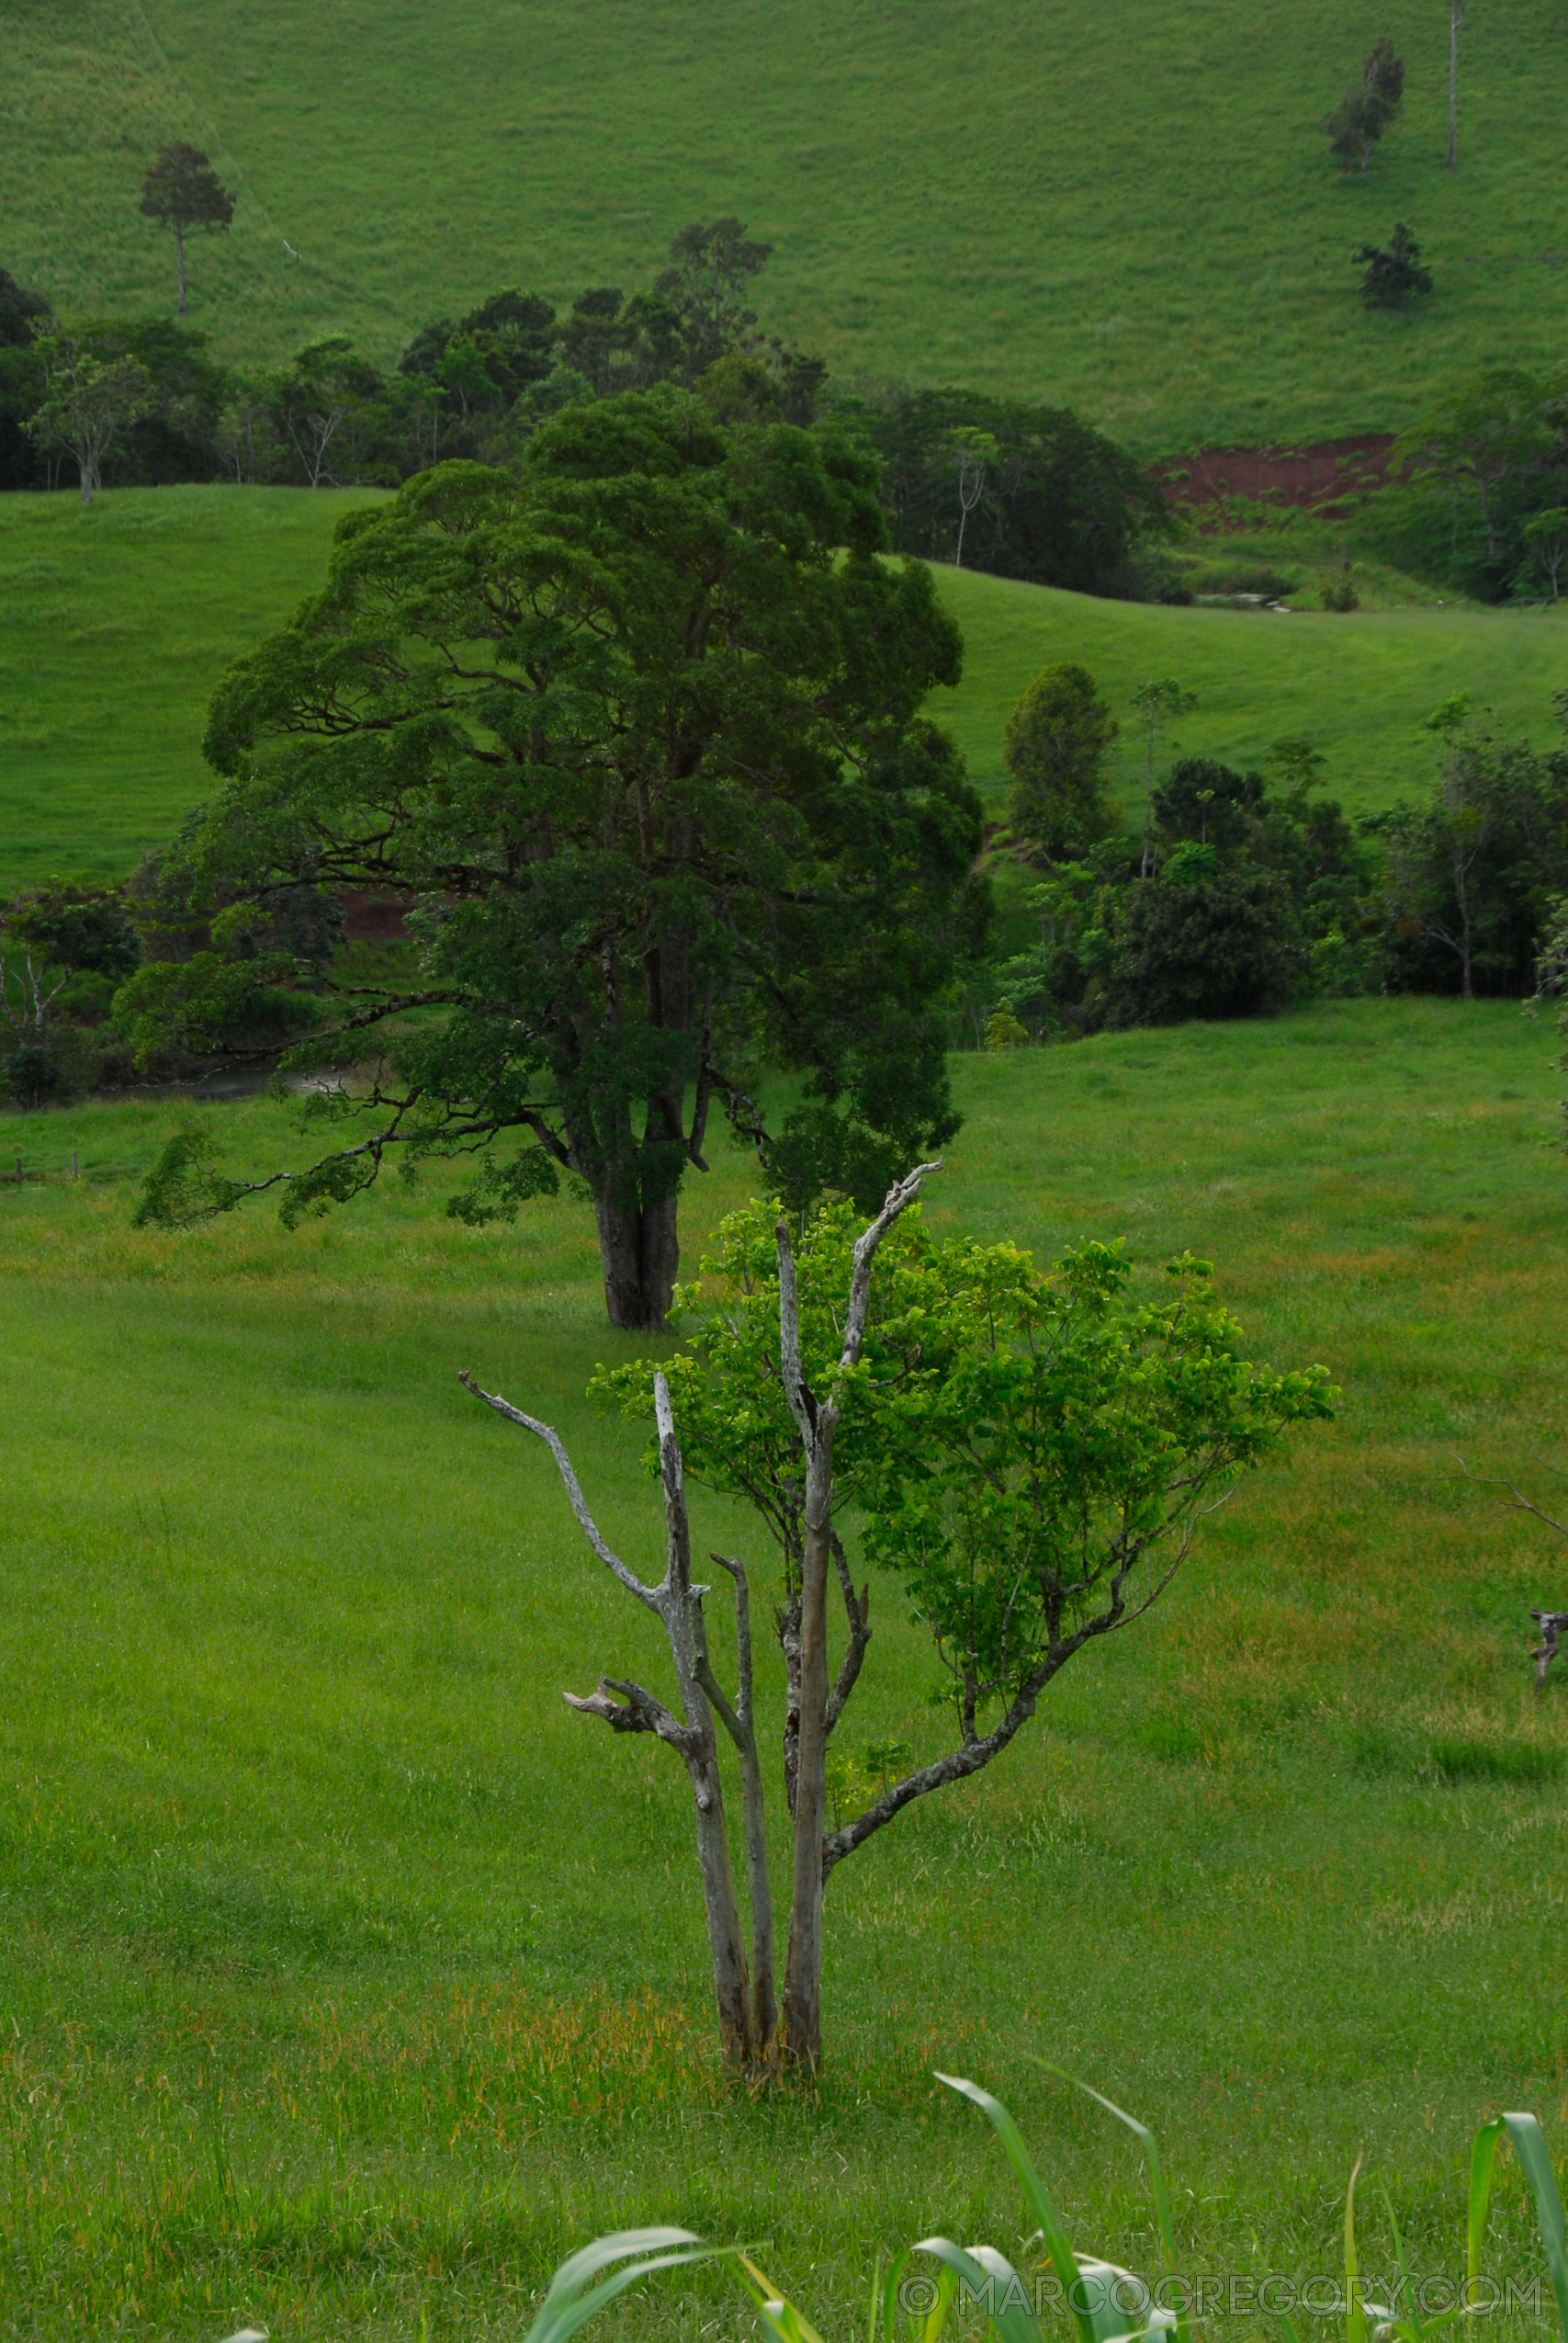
pixel 347 1979
pixel 116 623
pixel 1130 209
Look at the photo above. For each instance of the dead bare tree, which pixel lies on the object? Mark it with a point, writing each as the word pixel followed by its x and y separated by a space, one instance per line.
pixel 751 2034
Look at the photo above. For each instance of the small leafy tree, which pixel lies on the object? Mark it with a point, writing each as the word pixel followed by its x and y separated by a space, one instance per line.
pixel 182 191
pixel 1032 1453
pixel 1393 274
pixel 1472 874
pixel 89 400
pixel 316 405
pixel 706 283
pixel 1546 541
pixel 1157 705
pixel 1367 107
pixel 1055 748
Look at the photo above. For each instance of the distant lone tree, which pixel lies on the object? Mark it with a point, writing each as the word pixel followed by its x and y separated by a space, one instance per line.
pixel 1393 274
pixel 1055 748
pixel 184 192
pixel 1368 107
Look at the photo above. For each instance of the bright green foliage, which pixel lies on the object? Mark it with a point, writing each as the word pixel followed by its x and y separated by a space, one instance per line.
pixel 1031 1451
pixel 1055 748
pixel 1043 1462
pixel 324 1839
pixel 640 747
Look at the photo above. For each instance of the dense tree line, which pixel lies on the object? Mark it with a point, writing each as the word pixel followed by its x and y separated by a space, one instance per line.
pixel 1250 890
pixel 1487 494
pixel 1026 491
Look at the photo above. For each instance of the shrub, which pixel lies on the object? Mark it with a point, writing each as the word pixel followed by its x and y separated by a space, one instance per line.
pixel 1394 273
pixel 32 1077
pixel 1227 946
pixel 1336 589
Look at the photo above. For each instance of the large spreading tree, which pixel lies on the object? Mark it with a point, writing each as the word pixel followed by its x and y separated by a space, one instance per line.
pixel 634 733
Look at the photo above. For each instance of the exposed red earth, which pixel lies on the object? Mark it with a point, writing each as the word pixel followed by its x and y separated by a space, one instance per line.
pixel 1315 477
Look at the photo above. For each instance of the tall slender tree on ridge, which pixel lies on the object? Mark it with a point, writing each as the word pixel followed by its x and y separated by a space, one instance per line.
pixel 184 192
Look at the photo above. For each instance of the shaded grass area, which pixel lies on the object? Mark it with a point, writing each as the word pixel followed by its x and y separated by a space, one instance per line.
pixel 351 1980
pixel 1130 210
pixel 115 624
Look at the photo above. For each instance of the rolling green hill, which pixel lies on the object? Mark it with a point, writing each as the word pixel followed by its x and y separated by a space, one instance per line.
pixel 1131 209
pixel 116 623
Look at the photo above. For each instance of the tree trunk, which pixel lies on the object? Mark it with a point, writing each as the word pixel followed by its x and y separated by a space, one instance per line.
pixel 180 262
pixel 640 1252
pixel 803 1972
pixel 730 1981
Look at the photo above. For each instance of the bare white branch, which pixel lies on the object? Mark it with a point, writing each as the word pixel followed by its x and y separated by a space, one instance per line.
pixel 579 1503
pixel 900 1198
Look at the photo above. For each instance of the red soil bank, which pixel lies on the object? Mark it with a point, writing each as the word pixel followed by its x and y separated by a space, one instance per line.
pixel 1314 475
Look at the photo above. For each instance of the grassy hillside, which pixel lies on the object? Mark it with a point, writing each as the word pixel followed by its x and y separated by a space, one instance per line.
pixel 116 623
pixel 1131 209
pixel 348 1978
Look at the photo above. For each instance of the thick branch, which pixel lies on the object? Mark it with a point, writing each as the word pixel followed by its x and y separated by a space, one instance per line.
pixel 857 1609
pixel 802 1403
pixel 575 1497
pixel 630 1718
pixel 1551 1624
pixel 899 1197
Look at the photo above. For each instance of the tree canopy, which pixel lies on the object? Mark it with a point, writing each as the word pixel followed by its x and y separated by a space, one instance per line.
pixel 1054 750
pixel 634 732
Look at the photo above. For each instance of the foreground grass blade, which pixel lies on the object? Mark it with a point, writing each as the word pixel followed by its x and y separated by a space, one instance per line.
pixel 1063 2261
pixel 1482 2157
pixel 1529 2147
pixel 1355 2308
pixel 572 2299
pixel 1142 2133
pixel 984 2271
